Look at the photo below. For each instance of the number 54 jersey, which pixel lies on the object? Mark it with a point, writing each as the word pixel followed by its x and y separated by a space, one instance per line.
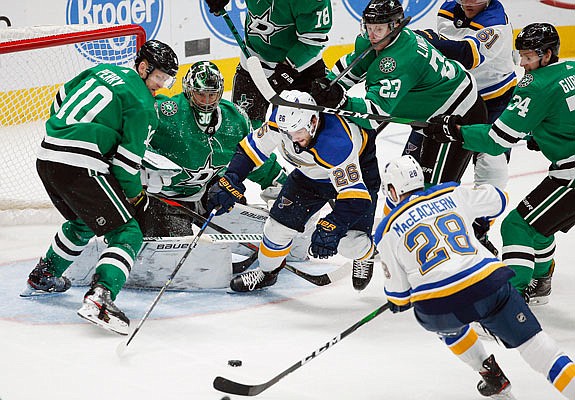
pixel 430 254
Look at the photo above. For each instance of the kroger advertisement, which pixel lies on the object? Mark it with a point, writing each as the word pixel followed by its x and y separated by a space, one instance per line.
pixel 196 34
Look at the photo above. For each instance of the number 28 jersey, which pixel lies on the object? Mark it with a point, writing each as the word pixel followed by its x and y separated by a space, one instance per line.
pixel 429 251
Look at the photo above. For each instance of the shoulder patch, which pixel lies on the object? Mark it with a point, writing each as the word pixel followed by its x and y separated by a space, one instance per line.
pixel 526 80
pixel 387 65
pixel 169 108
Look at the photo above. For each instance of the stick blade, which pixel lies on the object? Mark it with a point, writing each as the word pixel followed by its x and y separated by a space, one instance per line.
pixel 259 77
pixel 225 385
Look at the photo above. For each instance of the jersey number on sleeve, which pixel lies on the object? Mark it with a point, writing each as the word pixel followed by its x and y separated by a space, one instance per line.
pixel 425 240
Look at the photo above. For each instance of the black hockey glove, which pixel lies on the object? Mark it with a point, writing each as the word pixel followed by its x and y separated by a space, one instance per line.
pixel 226 193
pixel 140 204
pixel 325 239
pixel 217 5
pixel 533 145
pixel 328 96
pixel 283 77
pixel 443 128
pixel 480 228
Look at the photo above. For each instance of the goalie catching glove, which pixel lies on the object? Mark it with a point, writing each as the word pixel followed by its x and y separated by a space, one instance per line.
pixel 444 128
pixel 326 237
pixel 226 193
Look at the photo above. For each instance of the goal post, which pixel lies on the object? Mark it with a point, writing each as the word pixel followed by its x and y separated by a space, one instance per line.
pixel 35 62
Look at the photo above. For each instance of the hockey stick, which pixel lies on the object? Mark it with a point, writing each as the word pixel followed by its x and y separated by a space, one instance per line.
pixel 390 36
pixel 210 238
pixel 228 386
pixel 318 280
pixel 258 76
pixel 123 346
pixel 235 33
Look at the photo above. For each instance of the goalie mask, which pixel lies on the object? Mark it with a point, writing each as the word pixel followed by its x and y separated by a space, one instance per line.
pixel 203 86
pixel 159 56
pixel 404 174
pixel 293 121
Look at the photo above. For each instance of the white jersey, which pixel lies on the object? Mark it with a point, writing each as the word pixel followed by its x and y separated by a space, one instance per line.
pixel 428 248
pixel 490 36
pixel 333 156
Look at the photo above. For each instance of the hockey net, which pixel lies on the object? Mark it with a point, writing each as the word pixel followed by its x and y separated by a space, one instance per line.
pixel 35 62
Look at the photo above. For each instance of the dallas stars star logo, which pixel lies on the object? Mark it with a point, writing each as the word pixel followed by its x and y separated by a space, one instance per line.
pixel 262 27
pixel 387 65
pixel 200 176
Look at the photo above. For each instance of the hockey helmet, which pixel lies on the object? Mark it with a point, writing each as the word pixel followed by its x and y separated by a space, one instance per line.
pixel 382 12
pixel 203 86
pixel 404 174
pixel 539 37
pixel 159 55
pixel 290 119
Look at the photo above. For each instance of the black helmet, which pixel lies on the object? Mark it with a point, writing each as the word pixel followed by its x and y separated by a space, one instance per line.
pixel 539 37
pixel 159 55
pixel 382 11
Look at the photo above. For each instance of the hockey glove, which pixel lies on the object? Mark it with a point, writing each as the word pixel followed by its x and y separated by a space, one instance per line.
pixel 533 145
pixel 333 96
pixel 140 204
pixel 444 128
pixel 283 77
pixel 325 239
pixel 217 5
pixel 429 34
pixel 226 193
pixel 480 228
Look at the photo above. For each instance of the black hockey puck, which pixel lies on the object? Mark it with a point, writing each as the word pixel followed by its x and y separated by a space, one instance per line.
pixel 235 363
pixel 226 398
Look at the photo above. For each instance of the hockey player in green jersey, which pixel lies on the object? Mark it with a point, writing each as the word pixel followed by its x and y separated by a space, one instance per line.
pixel 195 140
pixel 547 122
pixel 288 37
pixel 405 77
pixel 89 163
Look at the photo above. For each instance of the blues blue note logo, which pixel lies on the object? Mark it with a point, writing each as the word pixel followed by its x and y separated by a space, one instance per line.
pixel 236 10
pixel 146 13
pixel 414 8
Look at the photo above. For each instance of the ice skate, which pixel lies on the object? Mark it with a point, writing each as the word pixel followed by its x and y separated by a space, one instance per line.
pixel 494 384
pixel 539 290
pixel 254 279
pixel 99 309
pixel 42 282
pixel 362 272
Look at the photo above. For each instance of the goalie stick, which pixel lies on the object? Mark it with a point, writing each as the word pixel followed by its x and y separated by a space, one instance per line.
pixel 259 77
pixel 123 346
pixel 318 280
pixel 228 386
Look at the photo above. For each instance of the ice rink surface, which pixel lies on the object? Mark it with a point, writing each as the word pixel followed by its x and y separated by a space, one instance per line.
pixel 48 353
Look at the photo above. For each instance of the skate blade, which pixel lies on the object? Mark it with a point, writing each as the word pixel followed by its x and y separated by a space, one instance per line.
pixel 539 301
pixel 90 313
pixel 504 395
pixel 29 291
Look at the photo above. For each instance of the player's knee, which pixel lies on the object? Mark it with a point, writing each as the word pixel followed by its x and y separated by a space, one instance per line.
pixel 278 233
pixel 128 236
pixel 355 245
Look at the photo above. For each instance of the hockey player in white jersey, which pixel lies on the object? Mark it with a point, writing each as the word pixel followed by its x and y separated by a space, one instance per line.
pixel 478 34
pixel 434 264
pixel 333 159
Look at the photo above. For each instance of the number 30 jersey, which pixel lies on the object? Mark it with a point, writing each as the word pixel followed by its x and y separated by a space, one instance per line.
pixel 430 254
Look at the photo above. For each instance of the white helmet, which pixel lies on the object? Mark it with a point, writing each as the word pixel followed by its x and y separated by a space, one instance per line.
pixel 290 119
pixel 404 174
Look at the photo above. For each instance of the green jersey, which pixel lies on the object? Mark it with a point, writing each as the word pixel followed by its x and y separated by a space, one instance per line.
pixel 202 156
pixel 292 30
pixel 542 108
pixel 408 79
pixel 101 120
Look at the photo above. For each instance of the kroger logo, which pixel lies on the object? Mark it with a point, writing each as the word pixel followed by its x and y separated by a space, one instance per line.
pixel 416 8
pixel 146 13
pixel 236 10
